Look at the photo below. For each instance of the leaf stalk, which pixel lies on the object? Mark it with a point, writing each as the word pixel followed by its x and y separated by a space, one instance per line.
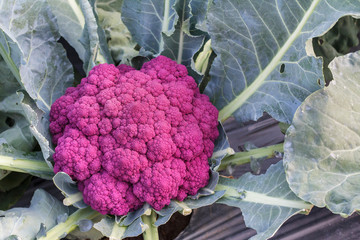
pixel 241 158
pixel 30 166
pixel 151 233
pixel 62 229
pixel 255 197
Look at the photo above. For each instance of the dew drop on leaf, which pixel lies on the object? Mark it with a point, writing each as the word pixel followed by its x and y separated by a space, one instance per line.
pixel 85 225
pixel 61 218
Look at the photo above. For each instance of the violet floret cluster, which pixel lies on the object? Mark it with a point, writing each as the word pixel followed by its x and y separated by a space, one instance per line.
pixel 134 136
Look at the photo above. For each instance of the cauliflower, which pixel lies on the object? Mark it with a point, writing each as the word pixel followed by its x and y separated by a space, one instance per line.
pixel 134 136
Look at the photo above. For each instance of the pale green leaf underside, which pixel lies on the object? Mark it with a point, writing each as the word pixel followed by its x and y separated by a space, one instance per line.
pixel 93 38
pixel 18 133
pixel 147 20
pixel 68 187
pixel 39 126
pixel 181 47
pixel 71 22
pixel 198 12
pixel 45 70
pixel 110 228
pixel 121 44
pixel 266 201
pixel 322 146
pixel 253 39
pixel 42 67
pixel 166 213
pixel 25 222
pixel 14 126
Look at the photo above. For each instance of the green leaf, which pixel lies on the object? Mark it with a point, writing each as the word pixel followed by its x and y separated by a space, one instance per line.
pixel 171 37
pixel 147 20
pixel 198 11
pixel 186 206
pixel 266 201
pixel 81 218
pixel 222 148
pixel 12 189
pixel 336 42
pixel 38 62
pixel 322 146
pixel 118 37
pixel 262 63
pixel 14 127
pixel 71 21
pixel 109 227
pixel 92 234
pixel 39 126
pixel 25 222
pixel 45 71
pixel 106 226
pixel 78 24
pixel 11 54
pixel 181 46
pixel 93 38
pixel 68 188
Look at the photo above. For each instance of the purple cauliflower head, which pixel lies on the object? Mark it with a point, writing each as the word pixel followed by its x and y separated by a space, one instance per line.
pixel 134 136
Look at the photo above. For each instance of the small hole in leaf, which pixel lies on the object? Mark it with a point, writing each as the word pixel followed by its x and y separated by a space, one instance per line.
pixel 318 81
pixel 282 68
pixel 10 122
pixel 320 41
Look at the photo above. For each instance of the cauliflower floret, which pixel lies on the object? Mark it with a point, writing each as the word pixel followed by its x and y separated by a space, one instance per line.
pixel 131 137
pixel 76 155
pixel 108 195
pixel 160 183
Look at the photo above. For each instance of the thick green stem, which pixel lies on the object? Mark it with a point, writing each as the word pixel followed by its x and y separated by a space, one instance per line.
pixel 62 229
pixel 31 166
pixel 117 232
pixel 166 16
pixel 240 158
pixel 151 233
pixel 70 200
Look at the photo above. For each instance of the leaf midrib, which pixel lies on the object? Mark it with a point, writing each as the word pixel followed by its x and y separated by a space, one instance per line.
pixel 238 101
pixel 10 63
